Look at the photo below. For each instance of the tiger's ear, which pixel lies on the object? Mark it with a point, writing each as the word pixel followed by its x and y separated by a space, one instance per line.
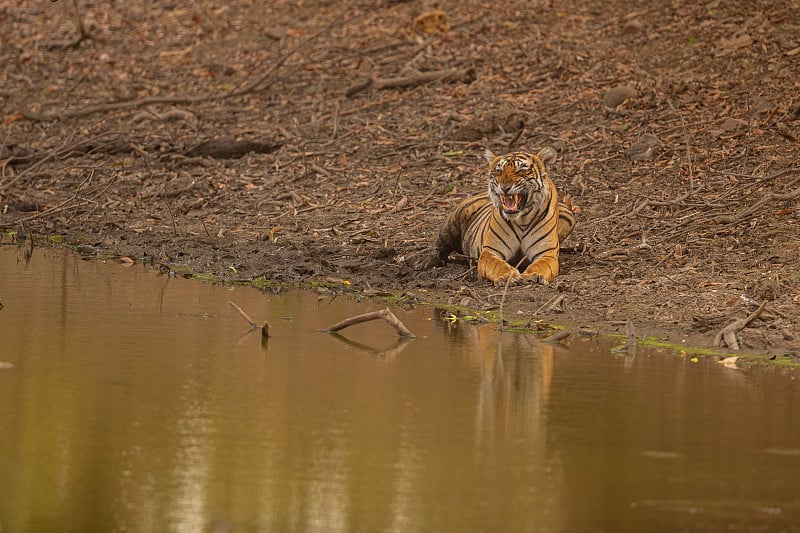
pixel 547 155
pixel 491 158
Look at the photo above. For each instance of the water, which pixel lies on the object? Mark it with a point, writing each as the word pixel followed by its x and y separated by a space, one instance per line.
pixel 140 402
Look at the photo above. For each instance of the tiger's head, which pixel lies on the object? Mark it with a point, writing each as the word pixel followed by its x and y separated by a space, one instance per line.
pixel 517 183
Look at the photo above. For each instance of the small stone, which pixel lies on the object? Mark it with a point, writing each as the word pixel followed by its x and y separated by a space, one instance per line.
pixel 86 249
pixel 732 124
pixel 729 46
pixel 762 106
pixel 616 95
pixel 632 26
pixel 276 33
pixel 645 148
pixel 431 22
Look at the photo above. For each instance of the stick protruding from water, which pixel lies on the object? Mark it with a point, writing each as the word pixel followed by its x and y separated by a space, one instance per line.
pixel 384 314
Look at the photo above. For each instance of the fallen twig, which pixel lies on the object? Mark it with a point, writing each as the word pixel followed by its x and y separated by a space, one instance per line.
pixel 384 314
pixel 553 304
pixel 728 333
pixel 466 75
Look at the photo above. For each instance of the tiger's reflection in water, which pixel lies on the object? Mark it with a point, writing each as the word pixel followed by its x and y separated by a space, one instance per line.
pixel 512 444
pixel 515 372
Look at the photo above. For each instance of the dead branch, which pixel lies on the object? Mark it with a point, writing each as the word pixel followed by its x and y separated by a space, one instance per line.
pixel 253 325
pixel 123 104
pixel 728 333
pixel 750 211
pixel 384 314
pixel 465 75
pixel 245 316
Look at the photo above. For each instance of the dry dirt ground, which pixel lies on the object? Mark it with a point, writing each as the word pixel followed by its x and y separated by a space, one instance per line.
pixel 324 140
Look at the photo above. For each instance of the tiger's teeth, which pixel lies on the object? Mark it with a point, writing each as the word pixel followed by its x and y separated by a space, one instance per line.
pixel 510 201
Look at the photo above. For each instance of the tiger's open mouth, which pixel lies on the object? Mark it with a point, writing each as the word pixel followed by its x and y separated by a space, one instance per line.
pixel 512 203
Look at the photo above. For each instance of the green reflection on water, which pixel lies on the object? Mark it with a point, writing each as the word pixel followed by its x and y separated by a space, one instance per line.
pixel 140 402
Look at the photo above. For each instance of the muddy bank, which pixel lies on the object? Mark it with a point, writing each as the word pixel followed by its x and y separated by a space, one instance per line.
pixel 316 142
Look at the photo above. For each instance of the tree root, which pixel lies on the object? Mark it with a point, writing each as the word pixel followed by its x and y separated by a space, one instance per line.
pixel 728 333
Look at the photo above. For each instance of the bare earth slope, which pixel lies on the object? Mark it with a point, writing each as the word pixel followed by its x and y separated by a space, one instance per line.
pixel 326 141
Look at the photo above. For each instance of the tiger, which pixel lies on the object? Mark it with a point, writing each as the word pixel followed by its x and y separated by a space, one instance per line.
pixel 518 222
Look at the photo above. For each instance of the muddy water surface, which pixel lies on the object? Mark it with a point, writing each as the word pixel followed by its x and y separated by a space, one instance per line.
pixel 140 402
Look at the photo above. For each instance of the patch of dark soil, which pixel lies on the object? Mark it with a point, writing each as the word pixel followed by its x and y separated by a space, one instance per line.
pixel 230 149
pixel 677 132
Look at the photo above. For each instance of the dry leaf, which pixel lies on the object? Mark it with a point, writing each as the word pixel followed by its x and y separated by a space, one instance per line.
pixel 15 117
pixel 431 22
pixel 616 95
pixel 728 46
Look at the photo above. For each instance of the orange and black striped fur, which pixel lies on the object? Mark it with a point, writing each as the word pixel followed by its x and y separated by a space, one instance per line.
pixel 517 224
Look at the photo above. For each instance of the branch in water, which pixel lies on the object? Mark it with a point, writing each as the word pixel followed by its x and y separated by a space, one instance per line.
pixel 384 314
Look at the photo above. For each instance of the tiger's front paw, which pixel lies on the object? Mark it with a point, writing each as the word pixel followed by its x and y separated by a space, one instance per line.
pixel 513 277
pixel 536 279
